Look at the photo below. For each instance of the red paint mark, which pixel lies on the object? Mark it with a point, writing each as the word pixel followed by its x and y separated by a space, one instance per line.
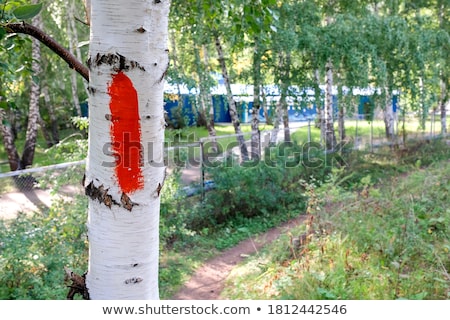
pixel 126 133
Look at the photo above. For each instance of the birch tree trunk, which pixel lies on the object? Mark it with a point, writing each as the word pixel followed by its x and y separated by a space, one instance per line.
pixel 125 172
pixel 232 107
pixel 255 144
pixel 341 117
pixel 72 35
pixel 389 116
pixel 319 108
pixel 33 112
pixel 330 137
pixel 443 101
pixel 284 65
pixel 8 142
pixel 206 103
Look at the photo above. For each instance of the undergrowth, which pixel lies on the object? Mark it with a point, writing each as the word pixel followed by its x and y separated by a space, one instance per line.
pixel 373 239
pixel 376 234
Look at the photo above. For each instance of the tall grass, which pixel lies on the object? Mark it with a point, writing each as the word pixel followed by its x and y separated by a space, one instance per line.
pixel 388 240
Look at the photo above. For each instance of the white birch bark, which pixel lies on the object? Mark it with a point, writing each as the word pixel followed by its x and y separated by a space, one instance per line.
pixel 389 117
pixel 123 230
pixel 330 137
pixel 443 107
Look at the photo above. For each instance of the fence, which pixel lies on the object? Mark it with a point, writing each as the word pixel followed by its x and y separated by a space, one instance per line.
pixel 33 189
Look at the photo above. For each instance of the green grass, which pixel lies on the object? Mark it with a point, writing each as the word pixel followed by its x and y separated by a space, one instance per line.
pixel 382 241
pixel 381 231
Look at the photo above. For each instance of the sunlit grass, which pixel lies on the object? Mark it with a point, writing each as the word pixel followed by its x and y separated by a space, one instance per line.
pixel 387 241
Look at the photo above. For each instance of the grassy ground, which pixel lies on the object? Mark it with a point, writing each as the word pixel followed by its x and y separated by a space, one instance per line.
pixel 388 240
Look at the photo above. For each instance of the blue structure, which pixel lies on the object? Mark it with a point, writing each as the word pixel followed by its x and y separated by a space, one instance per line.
pixel 302 111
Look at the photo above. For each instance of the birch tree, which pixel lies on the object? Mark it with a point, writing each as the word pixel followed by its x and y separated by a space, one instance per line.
pixel 128 60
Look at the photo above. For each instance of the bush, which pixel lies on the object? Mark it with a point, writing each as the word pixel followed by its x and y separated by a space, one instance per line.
pixel 267 187
pixel 35 249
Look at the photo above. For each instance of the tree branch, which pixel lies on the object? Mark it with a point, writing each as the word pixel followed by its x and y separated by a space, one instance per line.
pixel 40 35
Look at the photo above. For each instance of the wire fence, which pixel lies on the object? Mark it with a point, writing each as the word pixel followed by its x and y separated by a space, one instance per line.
pixel 35 188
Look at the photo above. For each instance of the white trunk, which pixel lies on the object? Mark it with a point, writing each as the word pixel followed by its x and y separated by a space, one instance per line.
pixel 330 138
pixel 128 61
pixel 389 117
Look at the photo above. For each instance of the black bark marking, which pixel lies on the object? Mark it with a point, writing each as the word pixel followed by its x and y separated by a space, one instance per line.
pixel 133 280
pixel 141 30
pixel 160 186
pixel 157 1
pixel 91 90
pixel 116 60
pixel 126 202
pixel 163 74
pixel 100 194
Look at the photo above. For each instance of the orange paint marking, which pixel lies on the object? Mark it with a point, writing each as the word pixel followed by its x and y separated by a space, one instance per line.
pixel 125 133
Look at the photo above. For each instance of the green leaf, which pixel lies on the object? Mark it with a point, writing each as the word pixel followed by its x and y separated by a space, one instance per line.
pixel 2 33
pixel 27 11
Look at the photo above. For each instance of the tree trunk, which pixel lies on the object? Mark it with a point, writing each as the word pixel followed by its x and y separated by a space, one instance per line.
pixel 128 60
pixel 276 123
pixel 320 110
pixel 284 67
pixel 232 106
pixel 8 143
pixel 330 137
pixel 389 116
pixel 73 44
pixel 265 108
pixel 255 144
pixel 206 98
pixel 341 118
pixel 443 101
pixel 33 112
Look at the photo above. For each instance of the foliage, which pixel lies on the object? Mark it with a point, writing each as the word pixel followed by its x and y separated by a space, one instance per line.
pixel 35 249
pixel 387 240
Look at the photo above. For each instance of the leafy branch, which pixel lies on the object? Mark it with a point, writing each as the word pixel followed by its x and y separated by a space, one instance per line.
pixel 57 48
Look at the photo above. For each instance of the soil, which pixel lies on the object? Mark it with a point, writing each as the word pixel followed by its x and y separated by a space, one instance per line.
pixel 209 280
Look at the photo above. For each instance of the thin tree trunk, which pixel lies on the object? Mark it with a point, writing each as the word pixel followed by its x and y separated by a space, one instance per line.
pixel 389 116
pixel 8 143
pixel 284 67
pixel 443 104
pixel 330 137
pixel 341 118
pixel 444 96
pixel 255 140
pixel 320 110
pixel 73 44
pixel 265 108
pixel 125 172
pixel 33 112
pixel 276 123
pixel 232 106
pixel 206 97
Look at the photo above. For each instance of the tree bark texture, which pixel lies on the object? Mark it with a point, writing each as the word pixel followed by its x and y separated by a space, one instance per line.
pixel 232 106
pixel 330 137
pixel 125 172
pixel 33 111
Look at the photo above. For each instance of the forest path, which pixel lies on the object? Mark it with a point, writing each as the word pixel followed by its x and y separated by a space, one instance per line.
pixel 208 281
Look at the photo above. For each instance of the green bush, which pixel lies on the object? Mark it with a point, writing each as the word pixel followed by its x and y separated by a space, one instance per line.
pixel 267 187
pixel 35 249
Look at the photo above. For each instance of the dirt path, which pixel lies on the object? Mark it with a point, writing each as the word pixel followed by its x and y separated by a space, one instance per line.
pixel 208 281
